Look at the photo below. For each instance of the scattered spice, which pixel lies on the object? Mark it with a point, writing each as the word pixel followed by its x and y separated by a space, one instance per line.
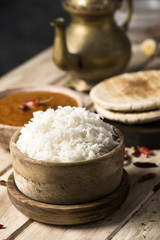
pixel 145 164
pixel 145 150
pixel 154 212
pixel 127 157
pixel 1 226
pixel 32 103
pixel 156 187
pixel 152 220
pixel 143 224
pixel 146 177
pixel 136 152
pixel 3 183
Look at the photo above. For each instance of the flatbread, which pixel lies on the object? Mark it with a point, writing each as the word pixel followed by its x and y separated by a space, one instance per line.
pixel 129 92
pixel 129 118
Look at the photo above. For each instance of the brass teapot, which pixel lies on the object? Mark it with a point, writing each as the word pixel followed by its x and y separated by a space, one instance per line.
pixel 92 47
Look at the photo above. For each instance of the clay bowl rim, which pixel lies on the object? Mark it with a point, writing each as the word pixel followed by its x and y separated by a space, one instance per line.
pixel 63 164
pixel 43 88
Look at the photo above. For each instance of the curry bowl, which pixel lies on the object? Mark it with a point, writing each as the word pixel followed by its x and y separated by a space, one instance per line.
pixel 68 182
pixel 15 112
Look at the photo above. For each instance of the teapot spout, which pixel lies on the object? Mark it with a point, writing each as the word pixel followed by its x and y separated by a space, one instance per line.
pixel 59 48
pixel 61 56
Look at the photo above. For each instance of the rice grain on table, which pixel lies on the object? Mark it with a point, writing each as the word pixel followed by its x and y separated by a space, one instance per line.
pixel 67 134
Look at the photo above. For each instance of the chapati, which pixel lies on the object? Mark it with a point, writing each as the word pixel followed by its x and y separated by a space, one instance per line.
pixel 139 91
pixel 129 118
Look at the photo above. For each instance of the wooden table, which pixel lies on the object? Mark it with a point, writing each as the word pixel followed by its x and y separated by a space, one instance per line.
pixel 138 217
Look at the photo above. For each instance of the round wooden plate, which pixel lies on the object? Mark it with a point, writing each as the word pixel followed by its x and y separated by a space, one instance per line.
pixel 68 214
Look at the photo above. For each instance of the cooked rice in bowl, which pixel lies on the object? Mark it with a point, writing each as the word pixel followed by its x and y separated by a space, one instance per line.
pixel 67 134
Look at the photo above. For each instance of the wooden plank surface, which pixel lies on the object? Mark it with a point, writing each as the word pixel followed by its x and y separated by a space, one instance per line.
pixel 37 71
pixel 145 222
pixel 40 70
pixel 10 217
pixel 5 161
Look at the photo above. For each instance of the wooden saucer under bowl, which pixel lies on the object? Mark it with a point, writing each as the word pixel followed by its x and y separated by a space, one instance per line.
pixel 68 214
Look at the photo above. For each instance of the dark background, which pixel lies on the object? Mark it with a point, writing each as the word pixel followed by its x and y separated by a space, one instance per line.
pixel 25 29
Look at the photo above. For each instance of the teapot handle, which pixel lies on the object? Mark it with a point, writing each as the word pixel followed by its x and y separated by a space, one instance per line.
pixel 128 15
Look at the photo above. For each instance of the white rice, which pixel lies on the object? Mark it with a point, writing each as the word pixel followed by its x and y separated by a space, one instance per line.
pixel 67 134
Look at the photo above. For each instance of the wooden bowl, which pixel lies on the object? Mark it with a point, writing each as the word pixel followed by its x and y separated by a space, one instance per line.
pixel 7 129
pixel 69 182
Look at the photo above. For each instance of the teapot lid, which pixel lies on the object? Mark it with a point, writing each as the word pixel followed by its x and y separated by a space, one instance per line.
pixel 91 7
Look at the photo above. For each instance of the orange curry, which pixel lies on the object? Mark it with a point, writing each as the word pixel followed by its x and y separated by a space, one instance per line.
pixel 11 112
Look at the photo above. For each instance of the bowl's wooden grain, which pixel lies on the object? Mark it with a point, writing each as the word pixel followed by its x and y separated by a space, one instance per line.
pixel 69 182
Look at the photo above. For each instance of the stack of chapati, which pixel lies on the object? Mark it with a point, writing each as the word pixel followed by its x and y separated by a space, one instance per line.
pixel 130 98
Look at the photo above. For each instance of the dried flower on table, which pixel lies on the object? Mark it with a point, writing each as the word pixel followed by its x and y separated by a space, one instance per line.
pixel 3 183
pixel 136 152
pixel 1 226
pixel 145 150
pixel 145 164
pixel 146 177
